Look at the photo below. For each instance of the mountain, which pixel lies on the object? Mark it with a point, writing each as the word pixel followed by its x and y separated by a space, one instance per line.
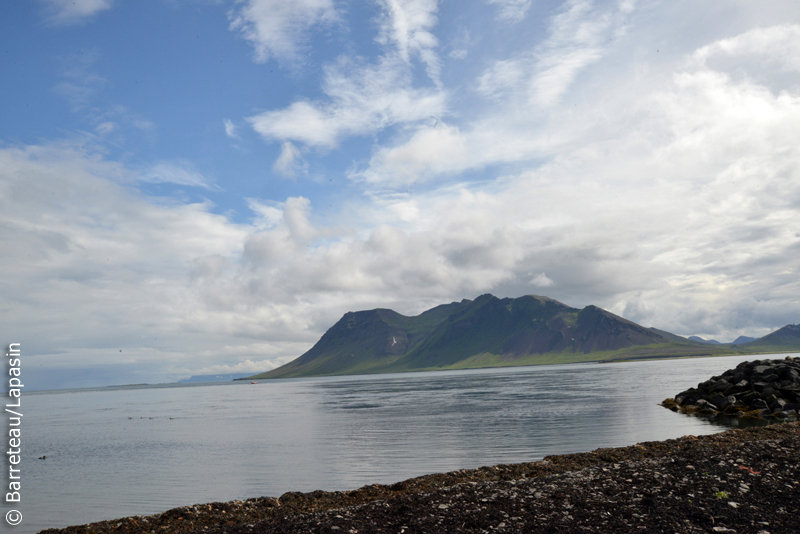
pixel 701 340
pixel 782 340
pixel 485 332
pixel 494 332
pixel 742 339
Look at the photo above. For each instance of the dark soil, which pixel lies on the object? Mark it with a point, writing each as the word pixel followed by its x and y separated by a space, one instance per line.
pixel 739 481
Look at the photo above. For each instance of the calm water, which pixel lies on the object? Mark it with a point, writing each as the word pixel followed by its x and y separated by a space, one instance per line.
pixel 128 451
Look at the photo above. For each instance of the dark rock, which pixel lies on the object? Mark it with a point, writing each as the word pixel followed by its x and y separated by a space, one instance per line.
pixel 778 404
pixel 720 402
pixel 764 386
pixel 747 397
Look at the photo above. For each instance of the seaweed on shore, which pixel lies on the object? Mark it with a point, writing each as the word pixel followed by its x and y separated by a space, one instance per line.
pixel 735 481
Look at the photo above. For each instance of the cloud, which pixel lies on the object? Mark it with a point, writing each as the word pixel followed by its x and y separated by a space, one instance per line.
pixel 81 82
pixel 361 99
pixel 70 12
pixel 523 94
pixel 578 38
pixel 230 129
pixel 290 161
pixel 541 280
pixel 429 152
pixel 777 44
pixel 666 191
pixel 512 10
pixel 101 264
pixel 81 87
pixel 408 24
pixel 279 29
pixel 503 75
pixel 702 162
pixel 179 174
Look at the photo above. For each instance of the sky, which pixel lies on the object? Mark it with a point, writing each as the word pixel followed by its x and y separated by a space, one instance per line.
pixel 195 187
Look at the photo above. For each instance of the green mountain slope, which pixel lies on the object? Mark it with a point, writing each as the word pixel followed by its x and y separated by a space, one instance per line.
pixel 781 340
pixel 493 332
pixel 365 342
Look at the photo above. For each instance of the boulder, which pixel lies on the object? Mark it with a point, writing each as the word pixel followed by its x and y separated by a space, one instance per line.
pixel 761 388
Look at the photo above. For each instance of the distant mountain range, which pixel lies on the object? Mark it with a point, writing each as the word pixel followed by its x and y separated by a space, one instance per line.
pixel 738 341
pixel 494 332
pixel 213 378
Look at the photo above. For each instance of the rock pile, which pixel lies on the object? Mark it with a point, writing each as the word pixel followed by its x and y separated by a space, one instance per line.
pixel 757 389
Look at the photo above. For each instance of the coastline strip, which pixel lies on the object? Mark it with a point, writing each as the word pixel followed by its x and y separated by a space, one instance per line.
pixel 690 480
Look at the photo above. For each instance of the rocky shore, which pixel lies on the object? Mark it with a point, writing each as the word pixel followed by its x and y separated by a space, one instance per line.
pixel 757 389
pixel 739 481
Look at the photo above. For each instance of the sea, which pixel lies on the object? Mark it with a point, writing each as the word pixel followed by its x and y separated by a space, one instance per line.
pixel 138 450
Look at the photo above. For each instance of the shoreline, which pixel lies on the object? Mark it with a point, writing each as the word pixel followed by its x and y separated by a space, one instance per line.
pixel 742 480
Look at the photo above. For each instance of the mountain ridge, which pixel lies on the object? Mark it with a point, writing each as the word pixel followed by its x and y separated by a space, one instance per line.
pixel 491 332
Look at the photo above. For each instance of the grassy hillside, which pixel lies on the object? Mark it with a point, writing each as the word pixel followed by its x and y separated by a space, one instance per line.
pixel 493 332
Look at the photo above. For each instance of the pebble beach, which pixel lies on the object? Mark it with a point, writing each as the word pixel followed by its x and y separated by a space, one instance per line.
pixel 737 481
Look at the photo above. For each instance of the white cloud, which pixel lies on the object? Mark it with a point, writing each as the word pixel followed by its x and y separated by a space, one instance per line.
pixel 513 10
pixel 429 152
pixel 68 12
pixel 105 128
pixel 578 38
pixel 98 259
pixel 290 161
pixel 541 280
pixel 361 99
pixel 775 44
pixel 665 191
pixel 524 94
pixel 177 173
pixel 230 129
pixel 279 29
pixel 408 24
pixel 502 76
pixel 364 98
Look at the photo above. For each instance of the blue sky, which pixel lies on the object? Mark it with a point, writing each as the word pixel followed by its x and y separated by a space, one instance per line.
pixel 198 187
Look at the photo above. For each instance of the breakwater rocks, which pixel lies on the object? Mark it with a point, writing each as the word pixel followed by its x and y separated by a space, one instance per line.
pixel 759 389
